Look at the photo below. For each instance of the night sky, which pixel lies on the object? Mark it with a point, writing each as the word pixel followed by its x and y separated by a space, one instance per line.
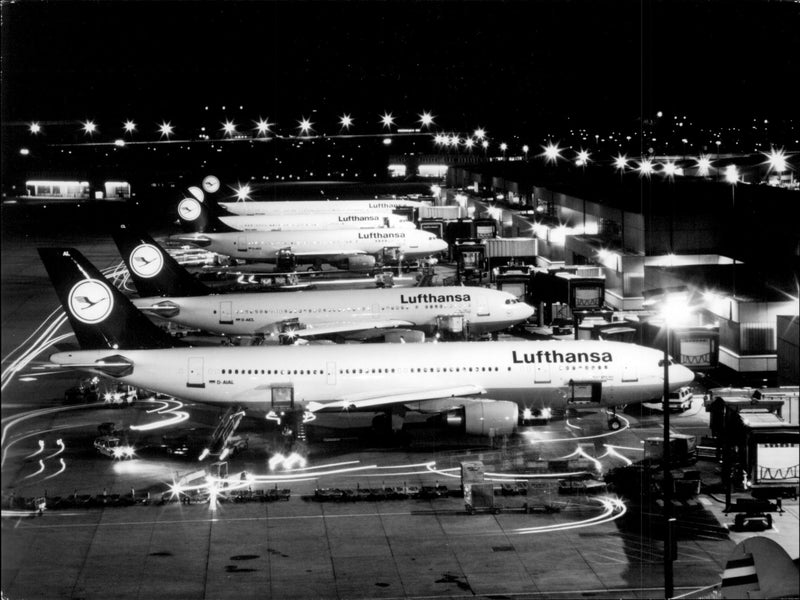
pixel 502 65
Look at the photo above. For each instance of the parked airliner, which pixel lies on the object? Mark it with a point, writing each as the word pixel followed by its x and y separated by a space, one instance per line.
pixel 170 292
pixel 478 386
pixel 316 221
pixel 211 188
pixel 332 245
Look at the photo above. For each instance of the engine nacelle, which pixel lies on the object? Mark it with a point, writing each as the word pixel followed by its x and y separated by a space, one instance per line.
pixel 359 263
pixel 478 418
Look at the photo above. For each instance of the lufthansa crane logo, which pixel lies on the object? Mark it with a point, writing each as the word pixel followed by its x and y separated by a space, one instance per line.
pixel 189 209
pixel 211 184
pixel 146 260
pixel 90 301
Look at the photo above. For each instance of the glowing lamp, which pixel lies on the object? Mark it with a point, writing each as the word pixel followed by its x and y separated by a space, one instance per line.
pixel 479 133
pixel 731 174
pixel 229 127
pixel 703 166
pixel 89 127
pixel 426 119
pixel 620 162
pixel 129 126
pixel 551 152
pixel 777 160
pixel 35 127
pixel 346 121
pixel 387 119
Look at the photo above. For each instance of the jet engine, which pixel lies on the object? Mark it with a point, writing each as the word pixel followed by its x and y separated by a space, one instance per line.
pixel 478 418
pixel 358 263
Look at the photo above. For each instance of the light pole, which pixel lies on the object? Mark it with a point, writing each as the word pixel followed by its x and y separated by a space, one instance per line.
pixel 673 309
pixel 732 177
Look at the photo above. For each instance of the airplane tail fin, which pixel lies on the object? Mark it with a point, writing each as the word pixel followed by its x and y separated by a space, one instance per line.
pixel 197 216
pixel 101 316
pixel 153 270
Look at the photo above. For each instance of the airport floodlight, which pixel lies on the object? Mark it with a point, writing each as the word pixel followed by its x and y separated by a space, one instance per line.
pixel 731 174
pixel 426 119
pixel 346 121
pixel 551 153
pixel 129 126
pixel 776 159
pixel 454 140
pixel 503 146
pixel 525 149
pixel 703 166
pixel 583 158
pixel 242 193
pixel 229 127
pixel 34 127
pixel 645 168
pixel 263 126
pixel 620 162
pixel 479 133
pixel 305 126
pixel 439 139
pixel 89 127
pixel 669 169
pixel 165 129
pixel 387 119
pixel 485 144
pixel 469 143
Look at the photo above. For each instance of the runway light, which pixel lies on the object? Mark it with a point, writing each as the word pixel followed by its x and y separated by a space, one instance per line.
pixel 305 126
pixel 731 174
pixel 703 166
pixel 243 193
pixel 89 127
pixel 387 119
pixel 129 126
pixel 119 143
pixel 263 126
pixel 34 127
pixel 426 119
pixel 551 153
pixel 346 121
pixel 387 141
pixel 165 129
pixel 777 160
pixel 229 127
pixel 24 151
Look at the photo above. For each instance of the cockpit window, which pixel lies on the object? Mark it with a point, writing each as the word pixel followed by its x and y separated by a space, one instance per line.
pixel 670 363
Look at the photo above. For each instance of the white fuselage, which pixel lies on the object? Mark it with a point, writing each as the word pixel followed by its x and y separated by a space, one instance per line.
pixel 533 374
pixel 482 309
pixel 250 207
pixel 318 220
pixel 323 244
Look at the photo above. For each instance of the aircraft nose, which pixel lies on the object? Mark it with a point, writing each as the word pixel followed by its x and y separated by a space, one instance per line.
pixel 526 310
pixel 438 245
pixel 680 376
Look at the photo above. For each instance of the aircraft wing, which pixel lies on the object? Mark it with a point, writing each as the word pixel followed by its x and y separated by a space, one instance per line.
pixel 373 400
pixel 347 327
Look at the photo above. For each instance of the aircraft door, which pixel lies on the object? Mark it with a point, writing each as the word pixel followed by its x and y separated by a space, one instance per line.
pixel 242 243
pixel 195 372
pixel 542 373
pixel 629 372
pixel 226 313
pixel 330 372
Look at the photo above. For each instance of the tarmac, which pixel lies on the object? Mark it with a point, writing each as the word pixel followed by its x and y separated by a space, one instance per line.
pixel 304 548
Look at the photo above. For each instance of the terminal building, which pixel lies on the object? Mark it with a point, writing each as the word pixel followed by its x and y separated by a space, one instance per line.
pixel 733 246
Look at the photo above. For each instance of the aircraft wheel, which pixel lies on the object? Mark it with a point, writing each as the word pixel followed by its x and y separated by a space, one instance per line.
pixel 614 424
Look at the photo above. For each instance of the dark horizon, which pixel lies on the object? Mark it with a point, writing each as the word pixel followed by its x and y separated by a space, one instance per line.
pixel 506 66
